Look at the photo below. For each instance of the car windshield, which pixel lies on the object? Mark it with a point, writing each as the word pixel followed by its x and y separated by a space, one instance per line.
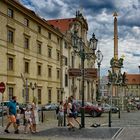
pixel 107 105
pixel 4 103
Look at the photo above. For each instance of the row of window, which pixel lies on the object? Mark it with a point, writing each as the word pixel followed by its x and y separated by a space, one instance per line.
pixel 26 68
pixel 11 93
pixel 10 14
pixel 39 69
pixel 10 39
pixel 39 95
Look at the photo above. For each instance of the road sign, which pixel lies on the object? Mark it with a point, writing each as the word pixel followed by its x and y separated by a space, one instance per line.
pixel 74 72
pixel 90 73
pixel 2 87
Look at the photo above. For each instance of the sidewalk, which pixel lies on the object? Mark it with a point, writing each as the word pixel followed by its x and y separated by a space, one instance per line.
pixel 125 128
pixel 40 127
pixel 49 131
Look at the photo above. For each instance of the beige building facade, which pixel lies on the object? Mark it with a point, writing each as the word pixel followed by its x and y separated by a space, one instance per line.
pixel 35 57
pixel 30 53
pixel 71 85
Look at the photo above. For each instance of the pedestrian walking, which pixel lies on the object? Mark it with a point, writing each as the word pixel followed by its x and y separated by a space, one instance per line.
pixel 60 114
pixel 35 117
pixel 75 112
pixel 11 115
pixel 18 118
pixel 69 114
pixel 28 120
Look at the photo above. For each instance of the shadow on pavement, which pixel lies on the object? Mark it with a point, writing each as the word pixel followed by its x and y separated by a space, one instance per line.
pixel 99 133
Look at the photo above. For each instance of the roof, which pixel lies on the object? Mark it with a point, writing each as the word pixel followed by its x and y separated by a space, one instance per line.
pixel 133 79
pixel 62 24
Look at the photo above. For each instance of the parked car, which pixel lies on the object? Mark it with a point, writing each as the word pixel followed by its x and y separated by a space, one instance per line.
pixel 4 112
pixel 4 103
pixel 50 106
pixel 90 109
pixel 107 108
pixel 137 105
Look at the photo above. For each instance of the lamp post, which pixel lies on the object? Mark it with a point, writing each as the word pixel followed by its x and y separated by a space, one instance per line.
pixel 33 87
pixel 139 79
pixel 79 48
pixel 99 59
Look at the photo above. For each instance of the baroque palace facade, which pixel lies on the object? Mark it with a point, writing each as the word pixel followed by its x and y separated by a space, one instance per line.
pixel 35 56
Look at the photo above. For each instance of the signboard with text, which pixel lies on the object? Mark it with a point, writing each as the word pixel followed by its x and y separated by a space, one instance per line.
pixel 91 73
pixel 88 72
pixel 74 72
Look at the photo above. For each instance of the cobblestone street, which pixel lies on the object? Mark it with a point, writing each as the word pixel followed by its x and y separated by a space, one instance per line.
pixel 127 127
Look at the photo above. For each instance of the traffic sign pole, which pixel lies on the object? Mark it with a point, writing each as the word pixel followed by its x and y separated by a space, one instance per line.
pixel 2 110
pixel 2 89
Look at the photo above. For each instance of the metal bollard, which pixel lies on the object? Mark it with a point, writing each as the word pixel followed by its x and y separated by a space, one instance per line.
pixel 109 119
pixel 64 118
pixel 119 114
pixel 42 115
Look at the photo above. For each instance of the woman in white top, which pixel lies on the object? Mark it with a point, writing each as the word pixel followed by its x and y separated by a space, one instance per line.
pixel 28 120
pixel 69 114
pixel 35 117
pixel 60 114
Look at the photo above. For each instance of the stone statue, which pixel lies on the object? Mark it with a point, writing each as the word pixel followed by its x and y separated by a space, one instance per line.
pixel 114 77
pixel 112 62
pixel 119 77
pixel 120 62
pixel 109 76
pixel 116 63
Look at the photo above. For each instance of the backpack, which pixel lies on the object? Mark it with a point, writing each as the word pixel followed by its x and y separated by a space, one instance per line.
pixel 74 108
pixel 57 110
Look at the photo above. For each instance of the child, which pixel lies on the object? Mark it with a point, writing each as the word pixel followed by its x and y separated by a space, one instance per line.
pixel 35 118
pixel 60 114
pixel 28 120
pixel 18 117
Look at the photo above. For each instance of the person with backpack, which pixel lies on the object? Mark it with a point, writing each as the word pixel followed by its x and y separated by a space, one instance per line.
pixel 75 112
pixel 70 115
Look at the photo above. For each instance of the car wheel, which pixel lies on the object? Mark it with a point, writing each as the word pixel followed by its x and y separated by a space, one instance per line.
pixel 94 114
pixel 114 111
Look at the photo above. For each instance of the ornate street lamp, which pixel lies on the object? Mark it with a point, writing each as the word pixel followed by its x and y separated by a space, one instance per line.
pixel 139 79
pixel 79 48
pixel 99 59
pixel 33 87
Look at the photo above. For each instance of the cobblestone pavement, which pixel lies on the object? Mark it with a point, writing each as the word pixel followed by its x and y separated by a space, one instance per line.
pixel 122 129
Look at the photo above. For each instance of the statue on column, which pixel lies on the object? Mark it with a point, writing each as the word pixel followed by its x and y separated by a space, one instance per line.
pixel 116 63
pixel 119 78
pixel 109 77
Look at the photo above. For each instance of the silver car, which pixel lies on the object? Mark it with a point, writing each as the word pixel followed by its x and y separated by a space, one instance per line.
pixel 107 108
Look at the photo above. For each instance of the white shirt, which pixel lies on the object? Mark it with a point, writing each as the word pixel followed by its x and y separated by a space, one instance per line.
pixel 18 116
pixel 28 114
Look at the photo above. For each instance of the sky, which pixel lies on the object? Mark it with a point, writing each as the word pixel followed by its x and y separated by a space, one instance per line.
pixel 99 15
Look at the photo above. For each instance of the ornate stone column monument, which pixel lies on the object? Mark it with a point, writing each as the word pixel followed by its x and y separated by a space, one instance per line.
pixel 115 78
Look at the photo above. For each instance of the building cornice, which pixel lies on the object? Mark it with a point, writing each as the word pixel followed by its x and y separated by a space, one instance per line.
pixel 31 14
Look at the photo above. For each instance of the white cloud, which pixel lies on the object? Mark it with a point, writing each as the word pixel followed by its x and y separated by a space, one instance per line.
pixel 100 21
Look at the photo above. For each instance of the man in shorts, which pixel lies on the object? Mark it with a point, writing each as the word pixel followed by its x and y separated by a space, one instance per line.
pixel 11 114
